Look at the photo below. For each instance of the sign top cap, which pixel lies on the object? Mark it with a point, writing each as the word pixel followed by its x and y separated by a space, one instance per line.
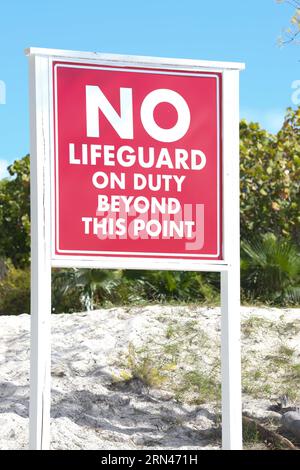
pixel 138 60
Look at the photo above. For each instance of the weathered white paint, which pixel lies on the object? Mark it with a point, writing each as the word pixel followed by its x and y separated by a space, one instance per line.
pixel 40 357
pixel 230 278
pixel 159 62
pixel 134 263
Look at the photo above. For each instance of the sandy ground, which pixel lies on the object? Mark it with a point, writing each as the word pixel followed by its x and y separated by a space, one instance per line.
pixel 98 402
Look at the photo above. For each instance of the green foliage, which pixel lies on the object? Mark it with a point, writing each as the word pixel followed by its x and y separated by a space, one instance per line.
pixel 14 214
pixel 65 294
pixel 291 33
pixel 83 289
pixel 270 203
pixel 145 368
pixel 156 366
pixel 251 326
pixel 270 179
pixel 270 209
pixel 271 270
pixel 204 385
pixel 168 286
pixel 250 433
pixel 15 291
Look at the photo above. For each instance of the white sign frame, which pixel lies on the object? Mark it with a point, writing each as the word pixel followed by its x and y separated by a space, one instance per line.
pixel 42 260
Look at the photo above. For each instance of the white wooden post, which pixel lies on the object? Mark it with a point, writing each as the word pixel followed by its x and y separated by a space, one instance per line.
pixel 40 357
pixel 230 279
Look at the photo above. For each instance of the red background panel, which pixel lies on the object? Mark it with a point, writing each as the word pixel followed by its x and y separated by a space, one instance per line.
pixel 75 195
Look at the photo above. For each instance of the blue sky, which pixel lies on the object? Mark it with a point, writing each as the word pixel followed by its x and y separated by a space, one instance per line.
pixel 244 31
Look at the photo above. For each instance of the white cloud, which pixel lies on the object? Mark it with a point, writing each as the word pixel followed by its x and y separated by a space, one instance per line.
pixel 3 168
pixel 270 119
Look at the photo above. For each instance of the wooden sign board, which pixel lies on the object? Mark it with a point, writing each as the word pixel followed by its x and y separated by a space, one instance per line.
pixel 134 164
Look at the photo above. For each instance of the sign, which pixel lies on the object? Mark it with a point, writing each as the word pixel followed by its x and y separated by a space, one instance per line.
pixel 138 162
pixel 135 165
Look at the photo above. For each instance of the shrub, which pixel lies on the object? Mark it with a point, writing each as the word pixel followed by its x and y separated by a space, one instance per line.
pixel 271 270
pixel 65 296
pixel 166 286
pixel 14 214
pixel 86 289
pixel 270 179
pixel 15 292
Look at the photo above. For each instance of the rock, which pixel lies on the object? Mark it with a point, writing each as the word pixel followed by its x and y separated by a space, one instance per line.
pixel 262 414
pixel 163 395
pixel 291 422
pixel 261 409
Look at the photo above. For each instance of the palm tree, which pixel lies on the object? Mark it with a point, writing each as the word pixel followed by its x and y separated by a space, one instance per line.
pixel 270 269
pixel 89 281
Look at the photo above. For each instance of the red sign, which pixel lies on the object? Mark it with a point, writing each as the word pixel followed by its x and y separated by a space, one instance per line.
pixel 137 164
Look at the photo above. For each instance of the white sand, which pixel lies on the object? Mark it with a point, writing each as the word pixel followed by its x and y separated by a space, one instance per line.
pixel 89 411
